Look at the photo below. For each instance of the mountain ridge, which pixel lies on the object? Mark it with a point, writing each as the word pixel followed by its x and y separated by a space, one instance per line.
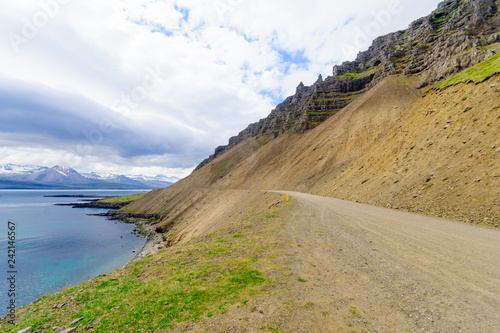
pixel 457 35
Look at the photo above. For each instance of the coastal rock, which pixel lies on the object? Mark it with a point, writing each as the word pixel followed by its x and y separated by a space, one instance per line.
pixel 95 204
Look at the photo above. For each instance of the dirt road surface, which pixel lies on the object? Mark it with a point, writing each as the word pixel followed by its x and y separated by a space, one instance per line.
pixel 391 271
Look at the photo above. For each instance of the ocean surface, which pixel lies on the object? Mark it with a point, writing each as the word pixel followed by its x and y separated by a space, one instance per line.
pixel 58 246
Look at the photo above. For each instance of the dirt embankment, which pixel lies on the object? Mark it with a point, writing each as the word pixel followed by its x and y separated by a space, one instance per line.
pixel 441 158
pixel 184 213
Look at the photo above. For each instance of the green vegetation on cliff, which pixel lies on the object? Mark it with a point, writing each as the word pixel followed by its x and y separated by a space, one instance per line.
pixel 477 74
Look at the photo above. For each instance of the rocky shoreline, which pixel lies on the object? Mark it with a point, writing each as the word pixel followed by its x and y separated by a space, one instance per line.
pixel 94 204
pixel 142 221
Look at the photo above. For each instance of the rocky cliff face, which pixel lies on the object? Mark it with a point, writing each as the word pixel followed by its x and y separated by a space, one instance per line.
pixel 457 35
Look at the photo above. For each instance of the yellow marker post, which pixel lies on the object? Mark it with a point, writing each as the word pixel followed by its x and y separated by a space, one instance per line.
pixel 286 197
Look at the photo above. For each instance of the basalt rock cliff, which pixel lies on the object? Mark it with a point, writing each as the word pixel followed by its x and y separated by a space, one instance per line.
pixel 457 35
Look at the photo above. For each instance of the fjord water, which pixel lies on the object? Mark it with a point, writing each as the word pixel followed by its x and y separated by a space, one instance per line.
pixel 58 246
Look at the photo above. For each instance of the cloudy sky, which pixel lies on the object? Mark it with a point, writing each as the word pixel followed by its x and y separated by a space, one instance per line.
pixel 152 87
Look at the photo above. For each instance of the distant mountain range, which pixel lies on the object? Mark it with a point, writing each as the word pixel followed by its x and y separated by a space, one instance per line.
pixel 40 177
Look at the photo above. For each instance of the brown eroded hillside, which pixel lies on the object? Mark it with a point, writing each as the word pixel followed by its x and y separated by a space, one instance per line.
pixel 300 162
pixel 435 154
pixel 441 159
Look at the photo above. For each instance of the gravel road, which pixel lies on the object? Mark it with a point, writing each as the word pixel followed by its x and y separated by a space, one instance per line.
pixel 396 271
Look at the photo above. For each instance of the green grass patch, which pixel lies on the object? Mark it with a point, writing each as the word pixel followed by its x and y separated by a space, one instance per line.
pixel 351 75
pixel 358 75
pixel 184 283
pixel 477 74
pixel 124 199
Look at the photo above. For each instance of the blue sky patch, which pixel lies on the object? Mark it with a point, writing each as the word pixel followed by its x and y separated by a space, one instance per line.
pixel 183 11
pixel 161 29
pixel 297 57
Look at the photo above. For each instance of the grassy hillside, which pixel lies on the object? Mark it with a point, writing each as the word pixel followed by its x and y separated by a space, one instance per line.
pixel 232 268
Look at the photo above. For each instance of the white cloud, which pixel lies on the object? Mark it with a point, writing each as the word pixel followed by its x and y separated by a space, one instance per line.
pixel 220 63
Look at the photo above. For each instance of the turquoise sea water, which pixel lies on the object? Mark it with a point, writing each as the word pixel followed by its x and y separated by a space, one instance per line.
pixel 58 246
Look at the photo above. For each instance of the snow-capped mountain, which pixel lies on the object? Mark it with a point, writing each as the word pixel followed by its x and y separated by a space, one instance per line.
pixel 158 181
pixel 56 174
pixel 97 175
pixel 31 176
pixel 111 176
pixel 158 178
